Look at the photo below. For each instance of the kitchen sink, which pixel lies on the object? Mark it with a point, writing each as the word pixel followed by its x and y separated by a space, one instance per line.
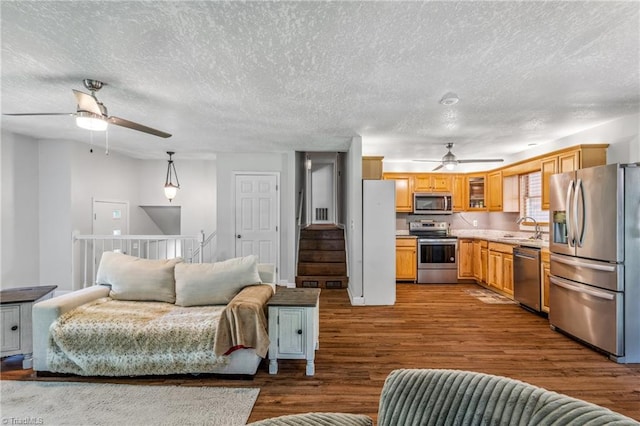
pixel 522 241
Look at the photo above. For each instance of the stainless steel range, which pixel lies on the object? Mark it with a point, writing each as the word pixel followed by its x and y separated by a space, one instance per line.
pixel 437 261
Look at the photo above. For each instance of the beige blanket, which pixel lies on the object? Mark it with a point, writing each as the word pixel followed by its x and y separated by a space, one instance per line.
pixel 109 337
pixel 243 323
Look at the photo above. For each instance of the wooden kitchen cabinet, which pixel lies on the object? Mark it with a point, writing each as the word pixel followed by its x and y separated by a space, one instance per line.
pixel 404 190
pixel 567 161
pixel 475 191
pixel 465 258
pixel 507 274
pixel 406 259
pixel 372 168
pixel 458 184
pixel 494 191
pixel 546 282
pixel 500 267
pixel 548 167
pixel 432 182
pixel 480 258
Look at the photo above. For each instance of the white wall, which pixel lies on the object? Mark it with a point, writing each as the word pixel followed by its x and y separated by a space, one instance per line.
pixel 622 135
pixel 282 163
pixel 47 191
pixel 19 253
pixel 353 188
pixel 196 196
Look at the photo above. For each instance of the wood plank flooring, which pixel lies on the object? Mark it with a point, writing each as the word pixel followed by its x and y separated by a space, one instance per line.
pixel 431 326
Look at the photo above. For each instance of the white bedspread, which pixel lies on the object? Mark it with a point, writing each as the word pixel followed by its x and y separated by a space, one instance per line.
pixel 109 337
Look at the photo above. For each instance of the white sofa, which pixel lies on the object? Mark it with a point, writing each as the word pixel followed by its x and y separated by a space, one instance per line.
pixel 241 360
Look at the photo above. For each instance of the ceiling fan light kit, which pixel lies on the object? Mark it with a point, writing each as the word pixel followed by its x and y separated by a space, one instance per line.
pixel 91 114
pixel 449 161
pixel 90 121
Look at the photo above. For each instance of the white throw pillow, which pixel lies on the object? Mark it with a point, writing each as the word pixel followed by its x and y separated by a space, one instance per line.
pixel 214 283
pixel 133 278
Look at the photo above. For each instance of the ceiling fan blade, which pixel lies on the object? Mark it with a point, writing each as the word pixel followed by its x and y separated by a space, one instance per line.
pixel 135 126
pixel 40 113
pixel 87 102
pixel 437 168
pixel 488 160
pixel 428 161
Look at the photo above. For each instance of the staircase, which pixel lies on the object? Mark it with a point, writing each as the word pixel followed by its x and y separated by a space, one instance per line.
pixel 322 260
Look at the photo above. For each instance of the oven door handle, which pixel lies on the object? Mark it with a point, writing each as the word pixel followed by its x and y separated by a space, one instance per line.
pixel 431 242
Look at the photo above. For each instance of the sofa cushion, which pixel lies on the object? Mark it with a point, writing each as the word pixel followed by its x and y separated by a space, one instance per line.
pixel 214 283
pixel 133 278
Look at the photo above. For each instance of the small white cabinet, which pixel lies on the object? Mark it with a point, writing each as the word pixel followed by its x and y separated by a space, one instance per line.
pixel 10 328
pixel 16 305
pixel 294 326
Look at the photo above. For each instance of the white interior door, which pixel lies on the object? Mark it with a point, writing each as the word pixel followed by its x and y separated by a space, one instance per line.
pixel 109 218
pixel 257 216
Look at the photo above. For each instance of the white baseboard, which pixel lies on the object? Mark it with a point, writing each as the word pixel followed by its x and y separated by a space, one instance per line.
pixel 355 300
pixel 284 283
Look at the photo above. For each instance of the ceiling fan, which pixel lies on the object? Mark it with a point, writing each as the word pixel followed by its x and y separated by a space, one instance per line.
pixel 449 160
pixel 91 114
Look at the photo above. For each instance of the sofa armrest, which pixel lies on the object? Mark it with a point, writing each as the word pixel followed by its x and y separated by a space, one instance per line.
pixel 317 419
pixel 418 397
pixel 47 311
pixel 267 273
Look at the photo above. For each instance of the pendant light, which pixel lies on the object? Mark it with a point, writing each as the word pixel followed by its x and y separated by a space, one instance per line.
pixel 170 188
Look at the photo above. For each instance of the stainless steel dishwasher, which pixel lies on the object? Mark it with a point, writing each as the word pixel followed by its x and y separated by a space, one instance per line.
pixel 526 277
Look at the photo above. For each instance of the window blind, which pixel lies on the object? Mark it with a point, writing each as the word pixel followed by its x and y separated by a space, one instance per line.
pixel 531 197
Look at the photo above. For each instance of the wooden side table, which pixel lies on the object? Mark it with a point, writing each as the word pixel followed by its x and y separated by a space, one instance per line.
pixel 16 305
pixel 294 325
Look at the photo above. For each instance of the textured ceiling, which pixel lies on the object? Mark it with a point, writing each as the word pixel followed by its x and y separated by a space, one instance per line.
pixel 308 76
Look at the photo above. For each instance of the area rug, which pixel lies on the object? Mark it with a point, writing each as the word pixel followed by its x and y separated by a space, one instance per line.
pixel 488 296
pixel 65 403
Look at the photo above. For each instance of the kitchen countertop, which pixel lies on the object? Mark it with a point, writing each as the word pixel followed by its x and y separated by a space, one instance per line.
pixel 515 238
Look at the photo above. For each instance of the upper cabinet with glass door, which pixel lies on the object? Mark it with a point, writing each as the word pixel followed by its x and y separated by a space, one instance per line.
pixel 476 192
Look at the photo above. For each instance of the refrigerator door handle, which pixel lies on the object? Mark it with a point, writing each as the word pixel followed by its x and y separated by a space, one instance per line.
pixel 604 268
pixel 567 204
pixel 578 196
pixel 580 289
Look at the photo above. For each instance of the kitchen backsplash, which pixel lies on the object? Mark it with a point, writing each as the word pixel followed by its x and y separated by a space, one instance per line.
pixel 484 220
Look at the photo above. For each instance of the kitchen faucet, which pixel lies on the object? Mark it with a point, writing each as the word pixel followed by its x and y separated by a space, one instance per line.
pixel 537 234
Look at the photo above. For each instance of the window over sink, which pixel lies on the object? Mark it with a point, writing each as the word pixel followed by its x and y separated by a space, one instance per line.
pixel 531 198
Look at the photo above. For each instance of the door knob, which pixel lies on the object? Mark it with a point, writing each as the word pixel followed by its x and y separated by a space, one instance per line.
pixel 14 328
pixel 239 236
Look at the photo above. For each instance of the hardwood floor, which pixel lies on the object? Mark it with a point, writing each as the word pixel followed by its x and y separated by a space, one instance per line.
pixel 430 326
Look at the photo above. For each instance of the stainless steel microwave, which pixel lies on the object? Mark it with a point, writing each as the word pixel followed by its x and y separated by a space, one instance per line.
pixel 432 203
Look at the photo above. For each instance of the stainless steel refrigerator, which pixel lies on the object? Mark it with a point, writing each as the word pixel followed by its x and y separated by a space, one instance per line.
pixel 595 258
pixel 379 242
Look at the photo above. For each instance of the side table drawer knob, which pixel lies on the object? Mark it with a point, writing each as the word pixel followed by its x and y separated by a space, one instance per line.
pixel 299 331
pixel 14 328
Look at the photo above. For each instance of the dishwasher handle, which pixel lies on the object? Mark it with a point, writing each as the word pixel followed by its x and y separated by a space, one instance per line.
pixel 526 253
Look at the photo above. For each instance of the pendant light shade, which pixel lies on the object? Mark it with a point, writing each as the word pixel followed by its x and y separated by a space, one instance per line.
pixel 171 187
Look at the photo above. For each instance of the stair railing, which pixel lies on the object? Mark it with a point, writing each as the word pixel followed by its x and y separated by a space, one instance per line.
pixel 298 229
pixel 205 252
pixel 87 250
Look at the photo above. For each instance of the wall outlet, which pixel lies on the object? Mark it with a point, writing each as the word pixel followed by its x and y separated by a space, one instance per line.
pixel 475 223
